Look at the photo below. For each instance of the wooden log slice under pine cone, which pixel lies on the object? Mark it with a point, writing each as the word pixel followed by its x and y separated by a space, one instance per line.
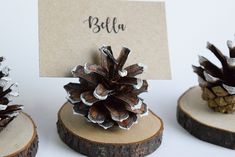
pixel 202 122
pixel 91 140
pixel 19 138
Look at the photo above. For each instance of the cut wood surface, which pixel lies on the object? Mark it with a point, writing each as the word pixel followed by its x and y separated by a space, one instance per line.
pixel 19 138
pixel 91 140
pixel 198 119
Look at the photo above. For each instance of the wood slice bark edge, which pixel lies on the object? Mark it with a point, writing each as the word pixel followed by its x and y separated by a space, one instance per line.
pixel 30 150
pixel 202 131
pixel 98 149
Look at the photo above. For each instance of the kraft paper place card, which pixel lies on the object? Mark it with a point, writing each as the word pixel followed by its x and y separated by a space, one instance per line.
pixel 72 31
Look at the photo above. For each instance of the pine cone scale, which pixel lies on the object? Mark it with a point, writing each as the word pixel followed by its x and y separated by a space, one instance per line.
pixel 143 109
pixel 74 91
pixel 96 114
pixel 106 124
pixel 122 58
pixel 142 89
pixel 91 68
pixel 11 108
pixel 211 68
pixel 109 53
pixel 118 113
pixel 79 72
pixel 5 121
pixel 132 100
pixel 80 108
pixel 88 98
pixel 3 101
pixel 2 107
pixel 111 61
pixel 129 122
pixel 101 92
pixel 129 80
pixel 135 69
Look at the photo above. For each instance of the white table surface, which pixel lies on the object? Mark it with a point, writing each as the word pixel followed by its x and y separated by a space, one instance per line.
pixel 190 24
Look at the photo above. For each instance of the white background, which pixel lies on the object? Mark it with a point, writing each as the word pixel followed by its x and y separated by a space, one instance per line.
pixel 190 24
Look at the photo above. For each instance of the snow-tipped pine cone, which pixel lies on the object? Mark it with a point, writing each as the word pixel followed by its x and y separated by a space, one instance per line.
pixel 7 112
pixel 218 84
pixel 108 93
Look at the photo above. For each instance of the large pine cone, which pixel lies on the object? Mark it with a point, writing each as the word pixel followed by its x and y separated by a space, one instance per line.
pixel 108 93
pixel 218 84
pixel 7 112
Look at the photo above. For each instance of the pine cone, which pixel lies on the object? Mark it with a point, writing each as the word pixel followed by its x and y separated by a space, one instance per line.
pixel 7 112
pixel 218 84
pixel 108 93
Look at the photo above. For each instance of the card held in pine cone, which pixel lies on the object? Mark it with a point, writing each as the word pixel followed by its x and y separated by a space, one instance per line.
pixel 207 111
pixel 106 102
pixel 18 135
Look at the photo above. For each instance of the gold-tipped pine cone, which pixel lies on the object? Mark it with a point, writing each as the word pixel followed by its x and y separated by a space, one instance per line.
pixel 219 99
pixel 108 94
pixel 218 84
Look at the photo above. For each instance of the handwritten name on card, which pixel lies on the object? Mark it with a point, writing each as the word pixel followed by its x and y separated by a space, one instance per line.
pixel 72 31
pixel 110 25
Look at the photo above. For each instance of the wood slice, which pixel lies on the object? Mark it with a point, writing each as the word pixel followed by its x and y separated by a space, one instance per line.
pixel 204 123
pixel 93 141
pixel 19 138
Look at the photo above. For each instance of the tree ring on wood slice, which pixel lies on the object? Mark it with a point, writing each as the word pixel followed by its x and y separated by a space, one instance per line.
pixel 91 140
pixel 19 138
pixel 202 122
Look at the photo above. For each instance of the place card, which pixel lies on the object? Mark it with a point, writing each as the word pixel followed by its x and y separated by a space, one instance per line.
pixel 72 31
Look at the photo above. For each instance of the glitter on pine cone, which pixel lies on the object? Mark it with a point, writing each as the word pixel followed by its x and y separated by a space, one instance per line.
pixel 218 84
pixel 7 112
pixel 108 93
